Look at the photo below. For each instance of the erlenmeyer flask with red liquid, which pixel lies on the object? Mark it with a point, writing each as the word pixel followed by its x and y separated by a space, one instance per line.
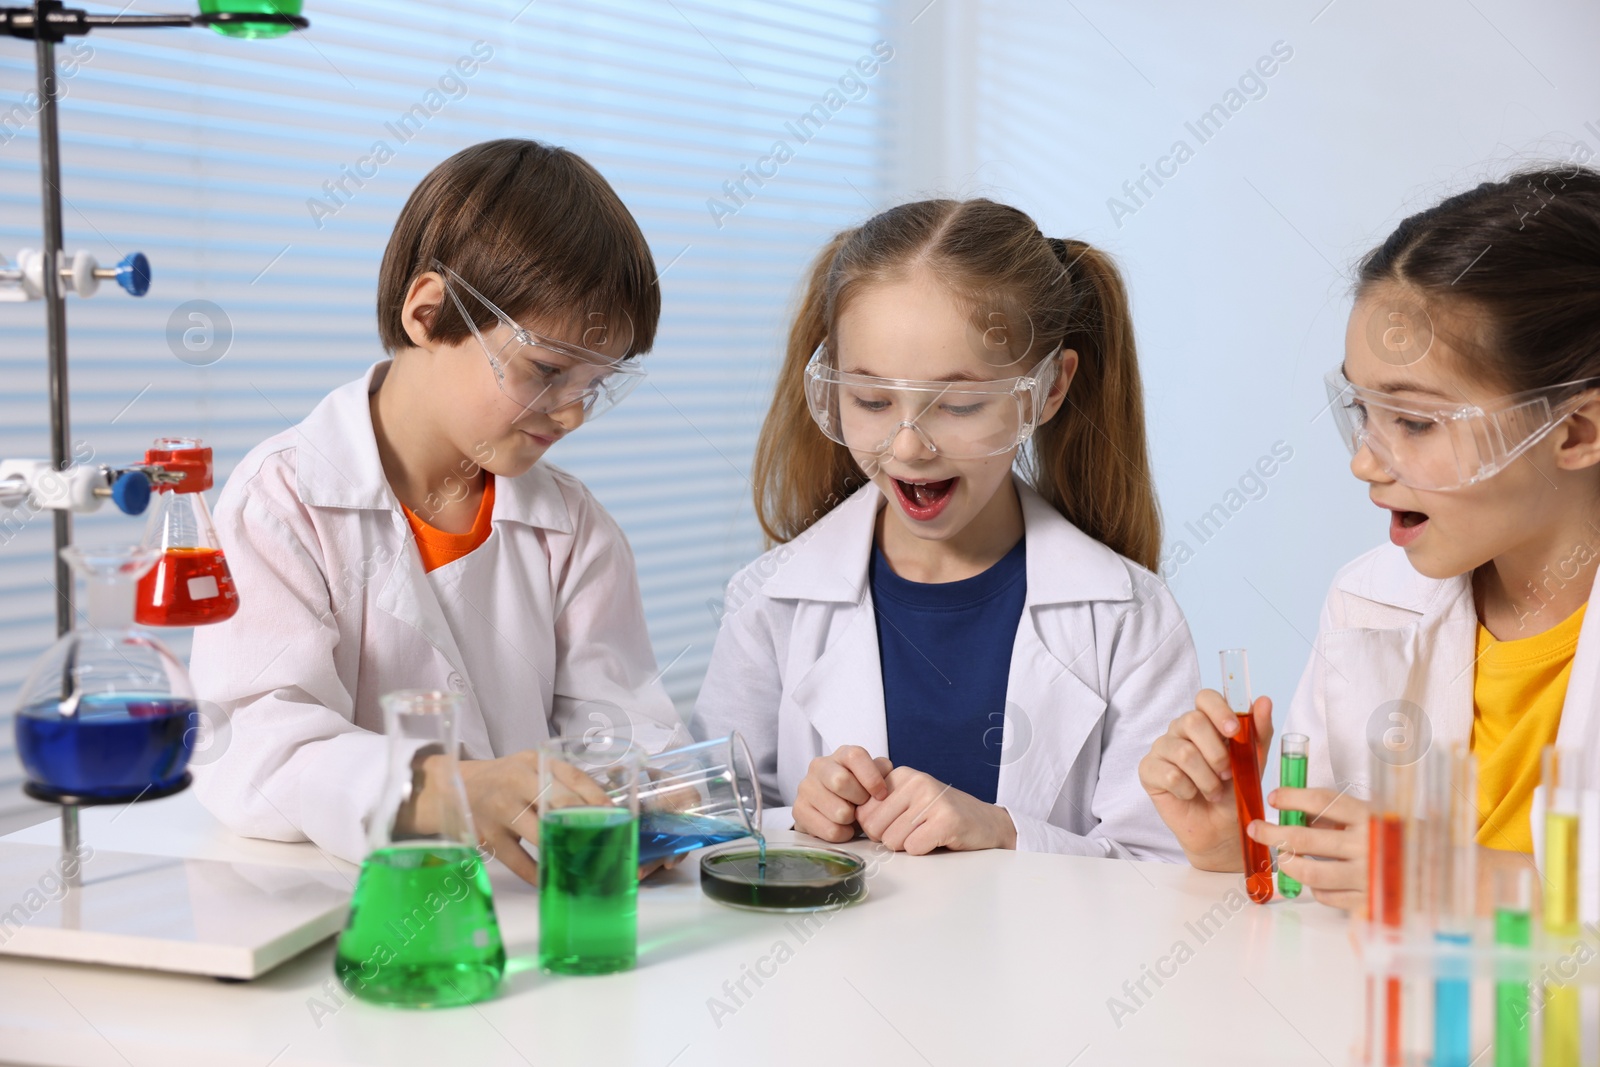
pixel 190 585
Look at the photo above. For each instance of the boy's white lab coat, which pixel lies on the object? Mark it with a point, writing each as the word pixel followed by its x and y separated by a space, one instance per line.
pixel 540 629
pixel 1102 662
pixel 1393 643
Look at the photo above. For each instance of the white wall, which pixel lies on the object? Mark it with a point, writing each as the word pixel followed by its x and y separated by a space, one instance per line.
pixel 1239 264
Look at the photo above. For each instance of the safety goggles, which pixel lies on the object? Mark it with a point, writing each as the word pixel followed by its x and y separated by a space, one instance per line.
pixel 957 420
pixel 1440 445
pixel 542 374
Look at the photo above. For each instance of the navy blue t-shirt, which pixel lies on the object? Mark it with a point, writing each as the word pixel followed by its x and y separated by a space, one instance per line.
pixel 946 655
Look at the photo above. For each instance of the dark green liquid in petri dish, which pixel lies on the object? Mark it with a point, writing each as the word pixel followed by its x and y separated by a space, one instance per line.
pixel 791 879
pixel 422 929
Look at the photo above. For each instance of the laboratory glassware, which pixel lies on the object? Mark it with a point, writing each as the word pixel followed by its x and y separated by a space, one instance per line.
pixel 783 878
pixel 422 930
pixel 1245 763
pixel 1562 778
pixel 589 857
pixel 272 24
pixel 698 795
pixel 1292 760
pixel 107 712
pixel 190 585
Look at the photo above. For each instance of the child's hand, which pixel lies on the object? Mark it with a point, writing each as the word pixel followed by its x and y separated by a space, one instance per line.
pixel 1187 774
pixel 505 796
pixel 655 866
pixel 922 813
pixel 1338 834
pixel 834 786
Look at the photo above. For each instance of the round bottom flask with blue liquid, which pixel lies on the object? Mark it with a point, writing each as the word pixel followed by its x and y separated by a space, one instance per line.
pixel 108 712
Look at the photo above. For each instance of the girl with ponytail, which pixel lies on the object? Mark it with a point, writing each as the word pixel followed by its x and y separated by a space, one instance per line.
pixel 957 640
pixel 1469 397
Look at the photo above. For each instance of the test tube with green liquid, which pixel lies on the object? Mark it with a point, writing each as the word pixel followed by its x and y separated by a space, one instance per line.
pixel 1513 928
pixel 1563 1041
pixel 1292 760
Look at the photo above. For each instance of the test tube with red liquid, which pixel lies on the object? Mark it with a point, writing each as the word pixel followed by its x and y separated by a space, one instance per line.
pixel 1391 816
pixel 190 585
pixel 1245 764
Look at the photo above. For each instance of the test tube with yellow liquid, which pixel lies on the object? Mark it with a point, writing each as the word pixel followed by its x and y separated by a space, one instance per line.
pixel 1563 789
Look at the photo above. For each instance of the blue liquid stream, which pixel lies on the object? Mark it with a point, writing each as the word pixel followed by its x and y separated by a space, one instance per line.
pixel 113 746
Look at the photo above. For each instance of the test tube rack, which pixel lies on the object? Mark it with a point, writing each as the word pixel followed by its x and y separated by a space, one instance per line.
pixel 1550 966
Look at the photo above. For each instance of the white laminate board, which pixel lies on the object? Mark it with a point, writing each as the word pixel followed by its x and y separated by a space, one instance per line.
pixel 197 916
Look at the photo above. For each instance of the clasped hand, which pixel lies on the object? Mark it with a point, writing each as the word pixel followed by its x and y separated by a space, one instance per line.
pixel 905 809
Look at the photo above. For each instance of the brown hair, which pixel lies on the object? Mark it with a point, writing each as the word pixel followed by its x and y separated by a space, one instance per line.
pixel 1521 257
pixel 534 228
pixel 1090 462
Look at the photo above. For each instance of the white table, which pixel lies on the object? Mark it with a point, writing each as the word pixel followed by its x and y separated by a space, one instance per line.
pixel 955 959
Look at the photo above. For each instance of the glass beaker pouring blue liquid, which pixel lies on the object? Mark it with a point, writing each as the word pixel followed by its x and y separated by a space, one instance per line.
pixel 699 795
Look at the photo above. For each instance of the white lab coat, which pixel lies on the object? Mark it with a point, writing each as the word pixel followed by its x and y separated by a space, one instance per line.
pixel 1388 634
pixel 540 629
pixel 1102 662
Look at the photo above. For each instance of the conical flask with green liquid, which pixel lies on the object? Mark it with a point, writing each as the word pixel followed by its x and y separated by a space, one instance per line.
pixel 422 931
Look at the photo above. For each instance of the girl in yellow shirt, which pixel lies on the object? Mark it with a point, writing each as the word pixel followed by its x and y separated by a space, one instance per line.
pixel 1469 395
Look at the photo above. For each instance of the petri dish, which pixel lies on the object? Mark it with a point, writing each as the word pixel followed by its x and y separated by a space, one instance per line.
pixel 796 879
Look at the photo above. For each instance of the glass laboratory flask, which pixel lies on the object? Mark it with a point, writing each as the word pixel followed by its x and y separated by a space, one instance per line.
pixel 190 584
pixel 269 27
pixel 422 931
pixel 108 712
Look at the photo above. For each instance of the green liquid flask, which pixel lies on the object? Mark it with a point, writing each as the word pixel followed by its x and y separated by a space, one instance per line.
pixel 1292 773
pixel 269 26
pixel 589 858
pixel 422 931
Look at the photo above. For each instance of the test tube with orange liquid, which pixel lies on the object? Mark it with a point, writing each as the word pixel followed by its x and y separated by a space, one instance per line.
pixel 1245 764
pixel 190 585
pixel 1391 814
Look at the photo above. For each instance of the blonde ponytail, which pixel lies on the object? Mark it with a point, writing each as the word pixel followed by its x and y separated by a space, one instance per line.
pixel 1091 461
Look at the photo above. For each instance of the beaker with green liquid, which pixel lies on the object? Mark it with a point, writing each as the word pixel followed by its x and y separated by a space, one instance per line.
pixel 589 856
pixel 422 930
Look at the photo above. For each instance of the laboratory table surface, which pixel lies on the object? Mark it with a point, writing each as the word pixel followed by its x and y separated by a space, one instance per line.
pixel 953 959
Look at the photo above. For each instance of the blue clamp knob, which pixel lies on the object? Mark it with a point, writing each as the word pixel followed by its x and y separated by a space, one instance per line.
pixel 133 274
pixel 131 492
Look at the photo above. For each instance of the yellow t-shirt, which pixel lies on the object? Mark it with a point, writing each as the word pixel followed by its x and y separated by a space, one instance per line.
pixel 1516 711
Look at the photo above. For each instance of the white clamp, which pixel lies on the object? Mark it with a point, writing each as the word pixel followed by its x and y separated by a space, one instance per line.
pixel 37 484
pixel 82 275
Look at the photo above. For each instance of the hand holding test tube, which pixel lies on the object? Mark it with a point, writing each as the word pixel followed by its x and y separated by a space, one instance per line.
pixel 1188 774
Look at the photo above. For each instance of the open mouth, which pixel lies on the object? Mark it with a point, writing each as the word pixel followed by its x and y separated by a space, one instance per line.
pixel 1406 526
pixel 924 500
